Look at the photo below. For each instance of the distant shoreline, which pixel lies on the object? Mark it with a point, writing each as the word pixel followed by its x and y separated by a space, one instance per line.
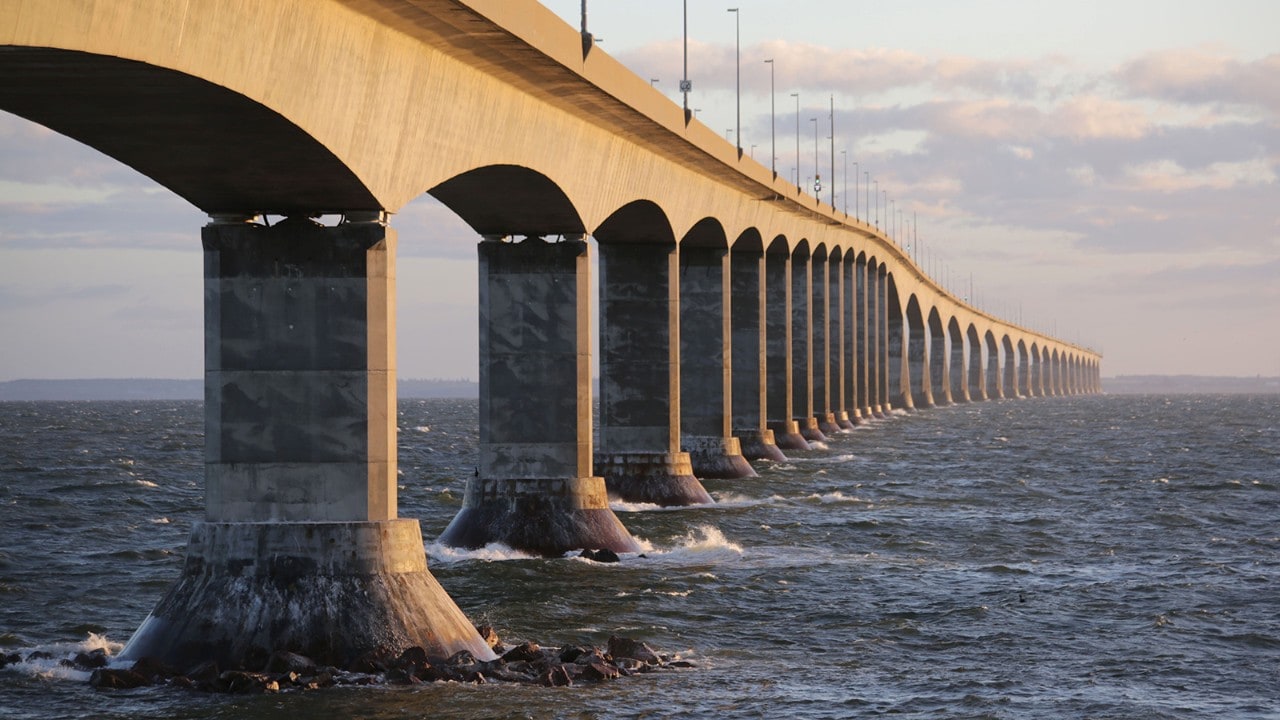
pixel 169 389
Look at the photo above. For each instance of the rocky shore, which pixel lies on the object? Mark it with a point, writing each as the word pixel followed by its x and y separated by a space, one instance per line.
pixel 282 671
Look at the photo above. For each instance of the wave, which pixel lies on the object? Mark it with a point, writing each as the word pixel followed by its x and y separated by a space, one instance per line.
pixel 52 661
pixel 833 498
pixel 493 552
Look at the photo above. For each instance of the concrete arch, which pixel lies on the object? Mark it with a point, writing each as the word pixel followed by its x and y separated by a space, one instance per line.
pixel 121 107
pixel 995 381
pixel 897 360
pixel 640 222
pixel 707 233
pixel 957 367
pixel 939 377
pixel 917 383
pixel 1024 369
pixel 1010 376
pixel 977 379
pixel 533 205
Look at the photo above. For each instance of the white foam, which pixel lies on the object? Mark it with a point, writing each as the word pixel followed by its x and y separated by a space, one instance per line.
pixel 145 483
pixel 832 498
pixel 621 506
pixel 423 428
pixel 51 668
pixel 703 542
pixel 492 552
pixel 818 445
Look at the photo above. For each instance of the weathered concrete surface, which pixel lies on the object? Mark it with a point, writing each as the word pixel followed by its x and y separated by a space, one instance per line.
pixel 958 368
pixel 778 353
pixel 706 365
pixel 300 549
pixel 534 489
pixel 939 371
pixel 750 357
pixel 331 591
pixel 640 456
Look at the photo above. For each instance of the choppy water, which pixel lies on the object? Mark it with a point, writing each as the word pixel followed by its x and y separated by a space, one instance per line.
pixel 1098 557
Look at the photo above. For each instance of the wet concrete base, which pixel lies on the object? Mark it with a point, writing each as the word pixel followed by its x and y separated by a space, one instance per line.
pixel 810 430
pixel 546 517
pixel 716 458
pixel 827 424
pixel 331 591
pixel 664 479
pixel 786 434
pixel 759 445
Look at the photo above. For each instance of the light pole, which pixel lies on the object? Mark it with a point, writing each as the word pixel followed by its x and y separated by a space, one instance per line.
pixel 737 62
pixel 832 118
pixel 877 182
pixel 685 85
pixel 867 174
pixel 817 176
pixel 797 97
pixel 773 125
pixel 844 191
pixel 855 190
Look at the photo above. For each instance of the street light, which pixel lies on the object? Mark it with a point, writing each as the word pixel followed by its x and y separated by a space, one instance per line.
pixel 773 127
pixel 877 182
pixel 844 191
pixel 867 177
pixel 856 192
pixel 737 60
pixel 817 176
pixel 832 118
pixel 685 85
pixel 797 97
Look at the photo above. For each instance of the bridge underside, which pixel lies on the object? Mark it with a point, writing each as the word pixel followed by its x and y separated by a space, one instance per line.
pixel 221 151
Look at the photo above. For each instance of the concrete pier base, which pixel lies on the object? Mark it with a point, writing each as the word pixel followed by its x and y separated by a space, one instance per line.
pixel 786 434
pixel 827 423
pixel 843 421
pixel 810 430
pixel 664 479
pixel 250 589
pixel 716 458
pixel 546 517
pixel 760 445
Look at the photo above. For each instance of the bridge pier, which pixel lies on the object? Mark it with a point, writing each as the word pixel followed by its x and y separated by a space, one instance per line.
pixel 749 358
pixel 300 548
pixel 534 489
pixel 640 456
pixel 706 385
pixel 802 344
pixel 778 352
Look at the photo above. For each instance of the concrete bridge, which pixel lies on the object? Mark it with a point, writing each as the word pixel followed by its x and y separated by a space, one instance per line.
pixel 739 317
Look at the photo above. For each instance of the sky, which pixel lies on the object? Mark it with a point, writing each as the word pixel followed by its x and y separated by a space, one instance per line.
pixel 1102 171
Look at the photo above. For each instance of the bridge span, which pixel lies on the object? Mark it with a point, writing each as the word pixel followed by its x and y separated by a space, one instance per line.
pixel 740 318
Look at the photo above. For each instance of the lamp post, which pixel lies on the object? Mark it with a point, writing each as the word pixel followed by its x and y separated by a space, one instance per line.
pixel 877 182
pixel 844 191
pixel 737 61
pixel 797 97
pixel 817 176
pixel 685 85
pixel 773 125
pixel 855 190
pixel 832 118
pixel 867 177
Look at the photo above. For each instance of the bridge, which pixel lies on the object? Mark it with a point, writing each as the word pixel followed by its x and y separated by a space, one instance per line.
pixel 739 317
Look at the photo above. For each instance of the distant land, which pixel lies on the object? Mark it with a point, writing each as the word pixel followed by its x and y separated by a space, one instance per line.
pixel 1189 384
pixel 162 389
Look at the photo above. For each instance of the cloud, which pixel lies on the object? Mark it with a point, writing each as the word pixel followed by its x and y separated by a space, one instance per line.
pixel 1202 76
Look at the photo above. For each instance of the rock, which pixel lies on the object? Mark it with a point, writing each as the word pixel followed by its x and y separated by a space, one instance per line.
pixel 526 652
pixel 415 656
pixel 556 677
pixel 205 673
pixel 591 655
pixel 153 669
pixel 117 679
pixel 10 659
pixel 283 661
pixel 620 647
pixel 603 555
pixel 90 660
pixel 242 682
pixel 599 671
pixel 681 664
pixel 490 637
pixel 39 655
pixel 377 660
pixel 462 657
pixel 630 665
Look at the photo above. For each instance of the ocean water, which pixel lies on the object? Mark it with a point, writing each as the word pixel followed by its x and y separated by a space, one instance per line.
pixel 1087 557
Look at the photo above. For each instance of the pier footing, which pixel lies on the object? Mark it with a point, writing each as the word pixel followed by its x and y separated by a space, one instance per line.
pixel 716 458
pixel 664 479
pixel 546 517
pixel 760 445
pixel 331 591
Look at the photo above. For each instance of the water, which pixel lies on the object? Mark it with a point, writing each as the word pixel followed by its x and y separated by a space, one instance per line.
pixel 1093 557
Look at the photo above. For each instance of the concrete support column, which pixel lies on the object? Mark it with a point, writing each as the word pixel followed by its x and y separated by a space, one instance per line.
pixel 778 357
pixel 750 356
pixel 869 323
pixel 849 354
pixel 864 333
pixel 899 362
pixel 640 456
pixel 1024 373
pixel 1037 380
pixel 825 290
pixel 994 388
pixel 977 378
pixel 802 345
pixel 534 489
pixel 301 548
pixel 919 384
pixel 958 368
pixel 706 387
pixel 939 372
pixel 886 369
